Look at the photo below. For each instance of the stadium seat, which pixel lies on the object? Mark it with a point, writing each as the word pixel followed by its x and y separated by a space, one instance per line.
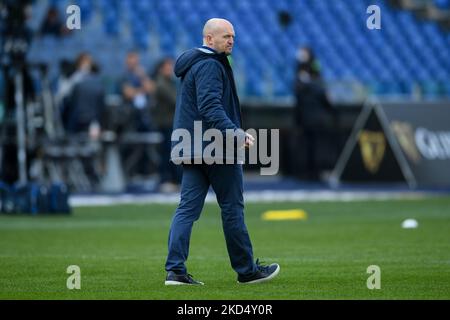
pixel 407 50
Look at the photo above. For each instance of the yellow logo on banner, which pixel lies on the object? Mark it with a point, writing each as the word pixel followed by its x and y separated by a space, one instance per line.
pixel 372 145
pixel 405 136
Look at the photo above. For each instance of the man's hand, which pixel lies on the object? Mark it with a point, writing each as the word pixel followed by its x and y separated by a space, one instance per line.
pixel 249 140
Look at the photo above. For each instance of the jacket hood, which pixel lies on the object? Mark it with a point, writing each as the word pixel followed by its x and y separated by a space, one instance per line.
pixel 191 57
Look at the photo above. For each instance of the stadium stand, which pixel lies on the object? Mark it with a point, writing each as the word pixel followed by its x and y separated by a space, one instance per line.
pixel 410 56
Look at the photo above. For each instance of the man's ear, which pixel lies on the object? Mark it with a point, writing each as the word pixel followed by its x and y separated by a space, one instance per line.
pixel 209 39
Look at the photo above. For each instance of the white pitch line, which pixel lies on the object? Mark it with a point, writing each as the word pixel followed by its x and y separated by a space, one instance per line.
pixel 251 196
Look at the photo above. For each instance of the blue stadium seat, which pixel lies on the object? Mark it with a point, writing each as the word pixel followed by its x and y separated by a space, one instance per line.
pixel 442 4
pixel 405 51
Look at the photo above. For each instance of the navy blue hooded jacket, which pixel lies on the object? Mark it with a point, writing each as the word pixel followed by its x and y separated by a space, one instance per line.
pixel 207 94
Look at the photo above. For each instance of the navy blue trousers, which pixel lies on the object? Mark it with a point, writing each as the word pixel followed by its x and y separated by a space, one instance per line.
pixel 227 183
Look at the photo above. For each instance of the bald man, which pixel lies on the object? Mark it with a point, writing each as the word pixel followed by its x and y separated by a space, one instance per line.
pixel 208 96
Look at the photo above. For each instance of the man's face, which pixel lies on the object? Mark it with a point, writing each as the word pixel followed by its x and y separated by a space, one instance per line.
pixel 167 69
pixel 222 40
pixel 132 61
pixel 303 55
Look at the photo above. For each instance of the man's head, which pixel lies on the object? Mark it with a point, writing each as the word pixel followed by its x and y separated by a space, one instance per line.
pixel 84 62
pixel 165 68
pixel 218 34
pixel 132 60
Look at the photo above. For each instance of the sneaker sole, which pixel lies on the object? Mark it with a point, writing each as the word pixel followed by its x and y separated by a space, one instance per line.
pixel 178 283
pixel 273 275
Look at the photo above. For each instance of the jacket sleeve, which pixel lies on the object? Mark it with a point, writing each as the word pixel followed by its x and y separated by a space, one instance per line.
pixel 209 88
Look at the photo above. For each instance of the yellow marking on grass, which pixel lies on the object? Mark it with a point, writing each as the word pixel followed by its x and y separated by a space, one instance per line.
pixel 295 214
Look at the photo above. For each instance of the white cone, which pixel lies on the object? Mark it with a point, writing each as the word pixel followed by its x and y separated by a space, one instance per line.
pixel 410 224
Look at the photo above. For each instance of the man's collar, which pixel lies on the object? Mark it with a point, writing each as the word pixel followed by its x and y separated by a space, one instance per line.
pixel 220 56
pixel 207 49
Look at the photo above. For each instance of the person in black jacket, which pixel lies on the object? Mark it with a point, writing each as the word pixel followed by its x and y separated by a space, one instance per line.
pixel 162 115
pixel 208 95
pixel 314 113
pixel 82 96
pixel 53 24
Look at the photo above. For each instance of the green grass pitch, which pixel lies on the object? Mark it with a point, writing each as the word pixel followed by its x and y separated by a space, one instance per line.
pixel 121 252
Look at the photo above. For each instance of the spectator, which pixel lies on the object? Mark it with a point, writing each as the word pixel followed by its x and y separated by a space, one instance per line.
pixel 137 90
pixel 308 67
pixel 83 95
pixel 313 112
pixel 163 112
pixel 53 24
